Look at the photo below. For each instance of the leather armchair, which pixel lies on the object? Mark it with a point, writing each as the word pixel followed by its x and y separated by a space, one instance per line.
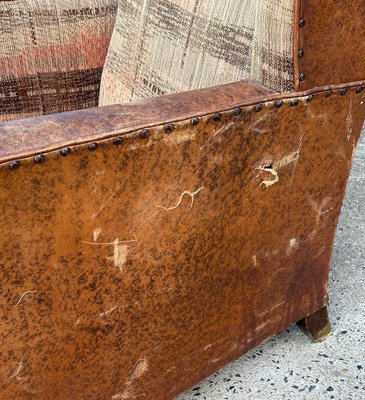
pixel 145 245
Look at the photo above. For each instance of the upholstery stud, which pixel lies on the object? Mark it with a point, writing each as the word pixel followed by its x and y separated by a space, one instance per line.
pixel 343 92
pixel 259 107
pixel 93 146
pixel 301 53
pixel 39 158
pixel 310 98
pixel 65 151
pixel 294 102
pixel 279 103
pixel 237 111
pixel 359 89
pixel 301 77
pixel 194 121
pixel 144 133
pixel 14 165
pixel 169 128
pixel 329 94
pixel 117 140
pixel 301 23
pixel 217 117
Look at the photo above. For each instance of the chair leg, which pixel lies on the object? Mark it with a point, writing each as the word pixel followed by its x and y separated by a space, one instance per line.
pixel 318 325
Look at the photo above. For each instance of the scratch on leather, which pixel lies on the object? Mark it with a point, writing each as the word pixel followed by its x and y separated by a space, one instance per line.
pixel 185 192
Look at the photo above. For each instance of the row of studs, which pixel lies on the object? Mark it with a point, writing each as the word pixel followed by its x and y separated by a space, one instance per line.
pixel 169 128
pixel 301 50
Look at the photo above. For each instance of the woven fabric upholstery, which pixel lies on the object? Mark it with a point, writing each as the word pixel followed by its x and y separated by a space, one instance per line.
pixel 52 54
pixel 165 46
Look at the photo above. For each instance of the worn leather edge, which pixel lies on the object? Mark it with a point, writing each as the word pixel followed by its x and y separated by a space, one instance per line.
pixel 73 118
pixel 23 135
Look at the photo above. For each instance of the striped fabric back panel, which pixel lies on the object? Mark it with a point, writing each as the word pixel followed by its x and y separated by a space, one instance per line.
pixel 52 54
pixel 165 46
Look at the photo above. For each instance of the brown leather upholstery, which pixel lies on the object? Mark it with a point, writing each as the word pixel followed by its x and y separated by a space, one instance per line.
pixel 145 245
pixel 329 42
pixel 133 270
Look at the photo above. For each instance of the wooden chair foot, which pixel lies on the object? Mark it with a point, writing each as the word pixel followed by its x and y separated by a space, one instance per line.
pixel 317 325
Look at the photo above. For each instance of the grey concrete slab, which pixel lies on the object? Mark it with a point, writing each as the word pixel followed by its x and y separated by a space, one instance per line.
pixel 289 366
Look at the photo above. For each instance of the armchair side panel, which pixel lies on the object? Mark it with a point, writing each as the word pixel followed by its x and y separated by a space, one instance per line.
pixel 133 269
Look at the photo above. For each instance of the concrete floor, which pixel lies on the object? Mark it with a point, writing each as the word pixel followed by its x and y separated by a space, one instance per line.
pixel 289 366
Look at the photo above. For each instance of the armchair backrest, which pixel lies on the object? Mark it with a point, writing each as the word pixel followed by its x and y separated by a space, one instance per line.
pixel 52 54
pixel 164 47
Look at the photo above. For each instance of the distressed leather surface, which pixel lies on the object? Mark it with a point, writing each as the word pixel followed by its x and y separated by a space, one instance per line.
pixel 133 271
pixel 333 41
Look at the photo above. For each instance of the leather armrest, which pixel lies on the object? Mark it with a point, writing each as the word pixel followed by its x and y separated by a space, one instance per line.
pixel 27 137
